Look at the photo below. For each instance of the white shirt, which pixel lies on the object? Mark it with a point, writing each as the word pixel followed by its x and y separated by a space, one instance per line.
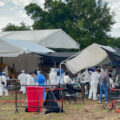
pixel 66 79
pixel 53 78
pixel 23 78
pixel 95 76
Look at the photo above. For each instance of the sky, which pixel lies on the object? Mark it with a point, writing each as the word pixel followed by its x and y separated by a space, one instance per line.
pixel 12 11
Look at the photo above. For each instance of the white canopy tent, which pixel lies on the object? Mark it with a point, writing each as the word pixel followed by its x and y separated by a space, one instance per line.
pixel 29 46
pixel 91 56
pixel 27 61
pixel 8 50
pixel 54 38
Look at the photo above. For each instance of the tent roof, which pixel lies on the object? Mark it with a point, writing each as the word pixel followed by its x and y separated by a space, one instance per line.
pixel 54 38
pixel 8 50
pixel 29 46
pixel 91 56
pixel 58 54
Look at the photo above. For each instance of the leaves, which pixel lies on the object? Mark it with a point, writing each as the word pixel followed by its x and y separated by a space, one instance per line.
pixel 13 27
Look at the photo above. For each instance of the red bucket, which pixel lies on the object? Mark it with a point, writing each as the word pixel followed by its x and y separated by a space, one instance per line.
pixel 35 98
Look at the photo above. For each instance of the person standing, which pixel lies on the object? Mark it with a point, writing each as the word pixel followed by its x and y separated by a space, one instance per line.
pixel 23 81
pixel 104 85
pixel 3 84
pixel 53 77
pixel 60 74
pixel 30 79
pixel 66 78
pixel 41 81
pixel 95 76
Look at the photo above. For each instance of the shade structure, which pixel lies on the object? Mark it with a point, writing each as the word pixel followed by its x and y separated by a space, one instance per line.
pixel 29 46
pixel 8 50
pixel 91 56
pixel 53 38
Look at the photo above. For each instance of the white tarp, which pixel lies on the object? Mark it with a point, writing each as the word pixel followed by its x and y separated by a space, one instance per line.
pixel 91 56
pixel 29 46
pixel 8 50
pixel 54 38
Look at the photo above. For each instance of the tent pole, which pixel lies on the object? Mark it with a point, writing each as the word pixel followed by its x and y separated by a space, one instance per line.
pixel 1 64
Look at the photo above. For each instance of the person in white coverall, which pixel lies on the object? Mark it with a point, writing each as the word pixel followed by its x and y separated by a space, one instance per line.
pixel 53 77
pixel 3 84
pixel 66 78
pixel 95 76
pixel 23 81
pixel 30 79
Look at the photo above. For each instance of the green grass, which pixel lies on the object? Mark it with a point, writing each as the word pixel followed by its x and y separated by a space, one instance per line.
pixel 90 110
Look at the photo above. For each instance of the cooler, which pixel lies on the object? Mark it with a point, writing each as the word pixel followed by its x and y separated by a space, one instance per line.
pixel 34 98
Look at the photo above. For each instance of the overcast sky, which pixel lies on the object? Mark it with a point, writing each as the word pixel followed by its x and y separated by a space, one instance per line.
pixel 12 11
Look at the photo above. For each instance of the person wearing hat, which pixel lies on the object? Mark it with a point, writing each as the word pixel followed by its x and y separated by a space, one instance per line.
pixel 3 84
pixel 23 81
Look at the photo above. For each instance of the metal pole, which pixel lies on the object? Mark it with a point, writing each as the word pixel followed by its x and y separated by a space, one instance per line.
pixel 1 64
pixel 16 109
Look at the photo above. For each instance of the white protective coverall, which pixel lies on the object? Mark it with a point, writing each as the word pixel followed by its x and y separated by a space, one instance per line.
pixel 30 80
pixel 94 84
pixel 66 79
pixel 86 78
pixel 53 77
pixel 3 86
pixel 23 82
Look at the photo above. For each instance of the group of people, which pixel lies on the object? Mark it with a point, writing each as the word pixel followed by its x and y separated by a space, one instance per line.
pixel 31 79
pixel 100 82
pixel 97 78
pixel 58 76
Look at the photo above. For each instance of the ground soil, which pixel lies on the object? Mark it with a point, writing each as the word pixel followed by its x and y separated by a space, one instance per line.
pixel 90 110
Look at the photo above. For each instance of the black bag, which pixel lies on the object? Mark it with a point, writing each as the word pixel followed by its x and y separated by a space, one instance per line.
pixel 51 106
pixel 3 83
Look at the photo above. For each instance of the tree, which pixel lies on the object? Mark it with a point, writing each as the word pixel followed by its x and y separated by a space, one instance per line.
pixel 87 21
pixel 114 42
pixel 13 27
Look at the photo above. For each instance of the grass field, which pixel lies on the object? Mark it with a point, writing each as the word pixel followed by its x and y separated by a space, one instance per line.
pixel 90 110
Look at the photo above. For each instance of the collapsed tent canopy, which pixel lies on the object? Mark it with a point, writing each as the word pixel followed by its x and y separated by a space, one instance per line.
pixel 55 38
pixel 91 56
pixel 8 50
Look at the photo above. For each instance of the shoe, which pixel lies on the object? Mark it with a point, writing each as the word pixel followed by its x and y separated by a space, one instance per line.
pixel 100 102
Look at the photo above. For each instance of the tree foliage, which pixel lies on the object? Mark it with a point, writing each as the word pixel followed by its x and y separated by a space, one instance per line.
pixel 13 27
pixel 87 21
